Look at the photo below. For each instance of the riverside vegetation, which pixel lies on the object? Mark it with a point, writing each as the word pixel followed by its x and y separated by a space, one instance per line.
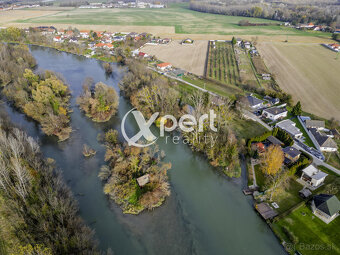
pixel 125 165
pixel 99 102
pixel 38 214
pixel 150 93
pixel 44 97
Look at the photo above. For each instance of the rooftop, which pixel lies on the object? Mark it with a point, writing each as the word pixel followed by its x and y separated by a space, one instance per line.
pixel 291 151
pixel 253 101
pixel 323 140
pixel 329 204
pixel 289 126
pixel 315 124
pixel 314 173
pixel 275 110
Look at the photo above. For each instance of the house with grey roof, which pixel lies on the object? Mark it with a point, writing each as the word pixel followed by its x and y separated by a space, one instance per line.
pixel 275 113
pixel 318 124
pixel 291 154
pixel 326 207
pixel 254 102
pixel 290 128
pixel 313 176
pixel 326 143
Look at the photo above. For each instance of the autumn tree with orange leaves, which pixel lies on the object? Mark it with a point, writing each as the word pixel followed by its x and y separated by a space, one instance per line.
pixel 272 160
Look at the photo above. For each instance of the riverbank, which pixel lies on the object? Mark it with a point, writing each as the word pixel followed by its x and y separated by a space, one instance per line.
pixel 186 223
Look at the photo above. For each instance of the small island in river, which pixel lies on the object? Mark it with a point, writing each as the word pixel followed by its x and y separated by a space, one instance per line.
pixel 136 178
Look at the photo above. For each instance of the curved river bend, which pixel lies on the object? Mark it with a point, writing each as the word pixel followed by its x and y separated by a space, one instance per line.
pixel 206 212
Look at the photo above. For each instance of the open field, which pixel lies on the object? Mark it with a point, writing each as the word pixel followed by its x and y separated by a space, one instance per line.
pixel 307 71
pixel 222 64
pixel 188 57
pixel 176 22
pixel 9 16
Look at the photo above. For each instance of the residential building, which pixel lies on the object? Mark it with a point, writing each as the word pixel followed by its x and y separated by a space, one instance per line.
pixel 275 113
pixel 326 143
pixel 254 102
pixel 318 124
pixel 326 207
pixel 290 128
pixel 164 66
pixel 291 154
pixel 313 176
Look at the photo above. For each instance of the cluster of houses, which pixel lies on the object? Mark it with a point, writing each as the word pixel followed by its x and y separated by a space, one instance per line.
pixel 333 46
pixel 321 137
pixel 122 4
pixel 326 207
pixel 103 37
pixel 17 6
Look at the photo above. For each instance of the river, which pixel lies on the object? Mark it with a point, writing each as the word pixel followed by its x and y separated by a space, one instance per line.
pixel 206 213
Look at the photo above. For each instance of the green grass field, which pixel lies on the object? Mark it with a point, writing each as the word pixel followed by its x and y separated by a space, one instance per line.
pixel 177 15
pixel 315 236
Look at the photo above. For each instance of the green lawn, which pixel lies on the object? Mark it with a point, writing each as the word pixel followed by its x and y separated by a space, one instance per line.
pixel 226 91
pixel 314 236
pixel 308 141
pixel 245 129
pixel 332 159
pixel 260 177
pixel 177 15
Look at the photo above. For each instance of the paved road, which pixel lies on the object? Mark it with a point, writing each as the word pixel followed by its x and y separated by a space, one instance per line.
pixel 181 80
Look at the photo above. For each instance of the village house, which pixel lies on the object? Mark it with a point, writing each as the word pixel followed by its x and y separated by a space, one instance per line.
pixel 85 34
pixel 142 55
pixel 290 128
pixel 326 207
pixel 247 45
pixel 318 124
pixel 259 147
pixel 325 142
pixel 254 102
pixel 57 39
pixel 164 66
pixel 291 154
pixel 313 176
pixel 275 113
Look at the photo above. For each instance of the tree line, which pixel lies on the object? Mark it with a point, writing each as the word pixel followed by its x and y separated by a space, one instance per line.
pixel 38 214
pixel 44 97
pixel 321 13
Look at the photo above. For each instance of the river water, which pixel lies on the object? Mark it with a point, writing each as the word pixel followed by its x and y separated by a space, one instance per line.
pixel 206 213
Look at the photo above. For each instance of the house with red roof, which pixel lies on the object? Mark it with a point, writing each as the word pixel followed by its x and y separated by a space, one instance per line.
pixel 164 66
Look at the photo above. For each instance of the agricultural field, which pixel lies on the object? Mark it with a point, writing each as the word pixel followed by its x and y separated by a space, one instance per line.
pixel 177 19
pixel 222 64
pixel 309 72
pixel 247 71
pixel 188 57
pixel 10 16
